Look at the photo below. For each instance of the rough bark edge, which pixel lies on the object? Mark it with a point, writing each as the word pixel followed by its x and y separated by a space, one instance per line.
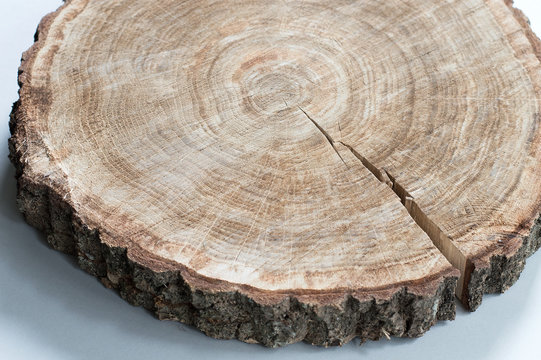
pixel 502 271
pixel 229 314
pixel 497 272
pixel 407 310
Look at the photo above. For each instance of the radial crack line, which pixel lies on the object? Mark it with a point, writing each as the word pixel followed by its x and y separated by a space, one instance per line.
pixel 442 242
pixel 374 170
pixel 326 134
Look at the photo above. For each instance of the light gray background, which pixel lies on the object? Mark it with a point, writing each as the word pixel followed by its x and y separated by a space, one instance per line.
pixel 49 309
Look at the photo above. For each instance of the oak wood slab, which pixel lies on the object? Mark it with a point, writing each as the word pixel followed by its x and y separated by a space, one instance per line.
pixel 283 171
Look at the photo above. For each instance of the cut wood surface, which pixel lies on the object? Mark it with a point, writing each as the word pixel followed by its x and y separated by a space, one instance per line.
pixel 285 171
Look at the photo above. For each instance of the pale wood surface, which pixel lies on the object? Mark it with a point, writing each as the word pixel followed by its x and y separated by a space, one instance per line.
pixel 359 148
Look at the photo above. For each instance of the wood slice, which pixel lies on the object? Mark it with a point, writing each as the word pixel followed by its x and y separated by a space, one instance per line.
pixel 286 171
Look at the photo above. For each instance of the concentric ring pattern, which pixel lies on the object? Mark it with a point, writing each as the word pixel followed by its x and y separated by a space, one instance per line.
pixel 217 134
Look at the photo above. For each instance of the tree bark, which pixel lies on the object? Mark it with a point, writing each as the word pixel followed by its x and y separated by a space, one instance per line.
pixel 282 172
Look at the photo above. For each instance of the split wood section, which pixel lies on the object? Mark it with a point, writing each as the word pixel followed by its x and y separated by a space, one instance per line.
pixel 440 240
pixel 286 171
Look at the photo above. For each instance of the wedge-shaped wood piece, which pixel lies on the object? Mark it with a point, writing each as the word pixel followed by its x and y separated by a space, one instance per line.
pixel 285 171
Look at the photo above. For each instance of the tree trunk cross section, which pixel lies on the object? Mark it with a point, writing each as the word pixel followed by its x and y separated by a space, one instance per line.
pixel 286 171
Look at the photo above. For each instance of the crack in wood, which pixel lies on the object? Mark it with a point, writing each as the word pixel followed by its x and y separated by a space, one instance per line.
pixel 326 134
pixel 442 242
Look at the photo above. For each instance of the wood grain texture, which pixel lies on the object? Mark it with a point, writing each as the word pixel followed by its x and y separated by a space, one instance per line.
pixel 286 171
